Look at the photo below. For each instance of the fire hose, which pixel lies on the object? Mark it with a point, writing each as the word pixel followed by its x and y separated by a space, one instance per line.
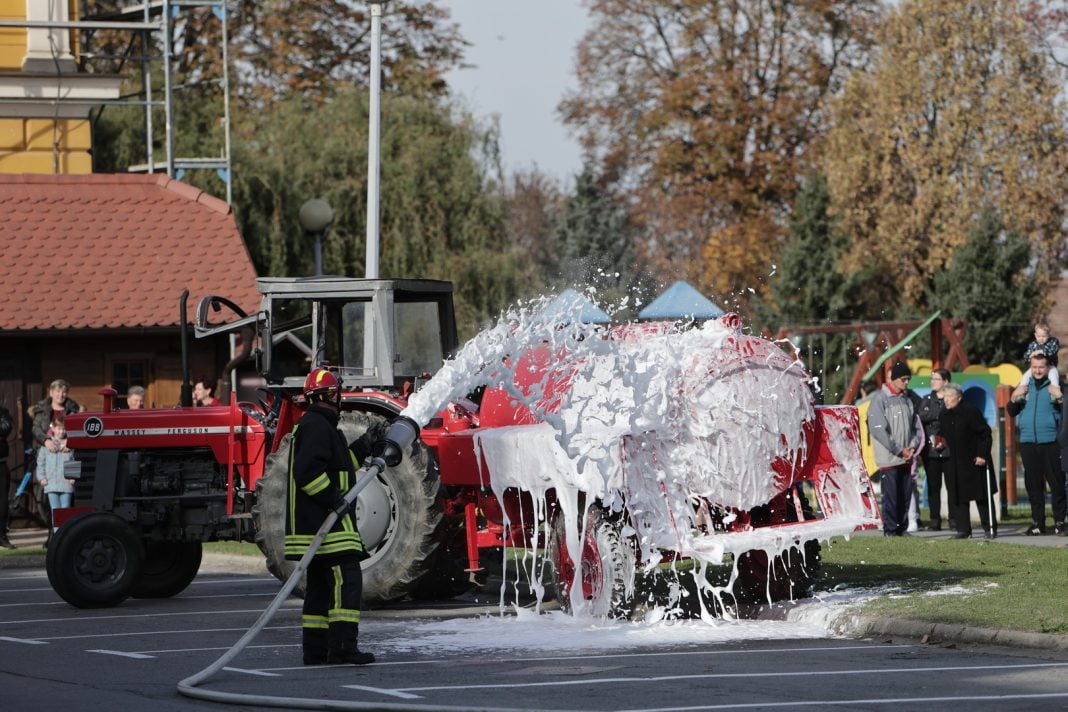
pixel 387 452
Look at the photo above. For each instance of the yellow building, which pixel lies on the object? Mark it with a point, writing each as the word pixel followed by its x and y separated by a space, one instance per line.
pixel 44 99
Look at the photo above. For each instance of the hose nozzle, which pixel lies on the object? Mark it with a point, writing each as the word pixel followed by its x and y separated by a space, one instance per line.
pixel 401 434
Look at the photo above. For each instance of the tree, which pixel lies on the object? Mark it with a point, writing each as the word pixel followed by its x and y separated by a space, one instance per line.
pixel 991 282
pixel 311 47
pixel 809 288
pixel 959 115
pixel 441 214
pixel 707 113
pixel 277 49
pixel 531 202
pixel 595 239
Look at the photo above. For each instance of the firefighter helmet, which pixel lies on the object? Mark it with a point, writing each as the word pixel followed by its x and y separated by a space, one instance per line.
pixel 322 385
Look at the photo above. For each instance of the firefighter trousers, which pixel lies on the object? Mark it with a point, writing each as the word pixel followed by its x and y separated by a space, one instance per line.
pixel 331 607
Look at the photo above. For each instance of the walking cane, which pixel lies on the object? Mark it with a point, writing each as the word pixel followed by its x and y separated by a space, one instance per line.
pixel 988 471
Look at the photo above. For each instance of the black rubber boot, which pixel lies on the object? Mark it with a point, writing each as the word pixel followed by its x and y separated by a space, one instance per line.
pixel 350 657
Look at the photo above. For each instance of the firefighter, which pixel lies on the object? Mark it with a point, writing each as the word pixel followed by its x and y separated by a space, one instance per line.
pixel 321 470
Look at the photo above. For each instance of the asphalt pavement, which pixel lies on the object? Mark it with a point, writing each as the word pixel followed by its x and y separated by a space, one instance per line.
pixel 849 624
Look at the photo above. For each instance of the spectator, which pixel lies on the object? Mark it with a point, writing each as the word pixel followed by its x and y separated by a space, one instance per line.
pixel 895 440
pixel 204 392
pixel 1062 443
pixel 1049 345
pixel 967 468
pixel 866 389
pixel 7 426
pixel 935 451
pixel 135 398
pixel 58 403
pixel 50 461
pixel 1038 419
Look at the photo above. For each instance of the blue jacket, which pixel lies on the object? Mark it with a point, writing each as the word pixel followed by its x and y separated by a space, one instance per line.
pixel 1038 417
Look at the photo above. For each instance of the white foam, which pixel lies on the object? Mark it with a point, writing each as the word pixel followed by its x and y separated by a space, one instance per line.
pixel 556 632
pixel 658 418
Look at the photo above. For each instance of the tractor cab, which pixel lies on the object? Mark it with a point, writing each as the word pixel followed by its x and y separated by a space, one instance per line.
pixel 377 334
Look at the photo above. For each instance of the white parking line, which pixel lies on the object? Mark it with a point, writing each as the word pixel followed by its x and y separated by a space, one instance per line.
pixel 136 656
pixel 381 691
pixel 876 701
pixel 126 634
pixel 252 672
pixel 23 640
pixel 613 656
pixel 222 647
pixel 82 619
pixel 729 675
pixel 267 594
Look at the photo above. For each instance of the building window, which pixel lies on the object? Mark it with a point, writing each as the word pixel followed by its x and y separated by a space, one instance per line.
pixel 126 373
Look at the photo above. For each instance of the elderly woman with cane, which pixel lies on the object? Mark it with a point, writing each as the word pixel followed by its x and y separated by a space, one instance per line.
pixel 968 468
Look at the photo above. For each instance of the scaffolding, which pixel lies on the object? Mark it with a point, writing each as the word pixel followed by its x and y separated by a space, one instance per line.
pixel 149 24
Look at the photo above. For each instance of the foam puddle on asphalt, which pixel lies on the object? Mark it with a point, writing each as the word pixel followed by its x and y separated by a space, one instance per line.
pixel 561 633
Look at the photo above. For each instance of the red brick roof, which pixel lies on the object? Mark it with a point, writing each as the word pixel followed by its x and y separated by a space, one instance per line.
pixel 115 251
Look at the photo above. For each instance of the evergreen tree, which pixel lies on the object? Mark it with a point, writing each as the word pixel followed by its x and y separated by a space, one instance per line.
pixel 991 283
pixel 809 288
pixel 595 240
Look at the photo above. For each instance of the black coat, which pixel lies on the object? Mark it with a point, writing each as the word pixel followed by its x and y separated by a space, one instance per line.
pixel 930 412
pixel 1062 435
pixel 321 471
pixel 968 437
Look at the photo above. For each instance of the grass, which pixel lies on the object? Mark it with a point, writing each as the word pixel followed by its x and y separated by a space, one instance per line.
pixel 240 548
pixel 967 582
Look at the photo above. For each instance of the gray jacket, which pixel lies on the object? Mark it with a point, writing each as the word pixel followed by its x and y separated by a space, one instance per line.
pixel 892 425
pixel 50 467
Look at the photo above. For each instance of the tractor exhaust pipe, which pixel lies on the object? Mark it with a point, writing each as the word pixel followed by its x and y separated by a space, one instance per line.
pixel 186 397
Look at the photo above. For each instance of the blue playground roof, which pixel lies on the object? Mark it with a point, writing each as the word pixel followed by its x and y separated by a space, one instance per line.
pixel 680 301
pixel 569 303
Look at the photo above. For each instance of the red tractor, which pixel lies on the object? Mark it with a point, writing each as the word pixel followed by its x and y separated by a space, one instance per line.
pixel 154 485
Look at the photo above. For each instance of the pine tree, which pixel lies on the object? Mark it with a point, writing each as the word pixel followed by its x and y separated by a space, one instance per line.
pixel 991 283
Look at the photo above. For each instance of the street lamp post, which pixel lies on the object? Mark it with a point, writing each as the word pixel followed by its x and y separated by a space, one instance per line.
pixel 373 141
pixel 316 217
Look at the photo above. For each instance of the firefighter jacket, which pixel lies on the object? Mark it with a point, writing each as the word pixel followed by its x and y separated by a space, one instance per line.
pixel 321 469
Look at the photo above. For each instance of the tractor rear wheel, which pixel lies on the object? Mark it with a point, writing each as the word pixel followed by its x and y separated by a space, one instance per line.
pixel 605 568
pixel 170 566
pixel 94 560
pixel 397 516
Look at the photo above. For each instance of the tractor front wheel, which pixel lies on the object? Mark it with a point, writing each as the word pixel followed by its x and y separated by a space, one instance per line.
pixel 170 566
pixel 604 569
pixel 94 560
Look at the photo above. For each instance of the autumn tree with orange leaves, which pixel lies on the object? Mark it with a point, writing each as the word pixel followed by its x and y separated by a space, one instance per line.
pixel 707 113
pixel 959 115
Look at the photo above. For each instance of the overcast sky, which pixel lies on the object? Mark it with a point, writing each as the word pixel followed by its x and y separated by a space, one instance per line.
pixel 523 52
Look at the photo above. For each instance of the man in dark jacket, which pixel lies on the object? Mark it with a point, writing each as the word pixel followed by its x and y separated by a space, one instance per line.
pixel 935 453
pixel 321 469
pixel 1038 419
pixel 967 468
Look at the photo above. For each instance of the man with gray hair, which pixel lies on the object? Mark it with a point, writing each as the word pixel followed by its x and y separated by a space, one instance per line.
pixel 135 398
pixel 895 440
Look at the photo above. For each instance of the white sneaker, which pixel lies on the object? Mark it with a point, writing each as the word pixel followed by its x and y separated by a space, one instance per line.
pixel 913 527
